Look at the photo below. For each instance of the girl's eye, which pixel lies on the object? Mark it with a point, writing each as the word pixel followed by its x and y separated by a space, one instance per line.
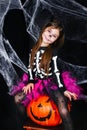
pixel 54 36
pixel 49 30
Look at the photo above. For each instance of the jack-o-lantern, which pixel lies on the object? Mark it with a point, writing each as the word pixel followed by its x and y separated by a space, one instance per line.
pixel 43 111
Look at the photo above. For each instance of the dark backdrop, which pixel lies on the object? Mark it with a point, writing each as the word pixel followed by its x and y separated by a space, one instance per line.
pixel 14 29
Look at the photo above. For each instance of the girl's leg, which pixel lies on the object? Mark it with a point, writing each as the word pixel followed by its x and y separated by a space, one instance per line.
pixel 63 109
pixel 19 97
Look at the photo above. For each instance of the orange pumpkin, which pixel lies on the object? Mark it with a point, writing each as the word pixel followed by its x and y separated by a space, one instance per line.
pixel 44 112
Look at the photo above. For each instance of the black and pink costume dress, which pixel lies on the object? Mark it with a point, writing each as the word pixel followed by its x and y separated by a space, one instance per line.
pixel 43 84
pixel 53 85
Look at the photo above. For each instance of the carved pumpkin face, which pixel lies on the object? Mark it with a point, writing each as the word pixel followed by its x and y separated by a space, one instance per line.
pixel 44 112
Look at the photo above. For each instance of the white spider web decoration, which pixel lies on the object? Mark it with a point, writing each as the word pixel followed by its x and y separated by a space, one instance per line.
pixel 36 13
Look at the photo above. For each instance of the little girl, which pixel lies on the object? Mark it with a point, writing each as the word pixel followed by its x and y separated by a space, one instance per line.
pixel 44 72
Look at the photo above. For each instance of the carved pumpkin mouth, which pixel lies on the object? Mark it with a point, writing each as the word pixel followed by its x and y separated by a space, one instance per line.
pixel 41 118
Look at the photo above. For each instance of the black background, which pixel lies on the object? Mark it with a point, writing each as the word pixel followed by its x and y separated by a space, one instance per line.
pixel 15 30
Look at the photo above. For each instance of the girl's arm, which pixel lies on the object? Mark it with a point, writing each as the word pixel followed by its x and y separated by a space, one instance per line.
pixel 30 86
pixel 56 72
pixel 58 78
pixel 30 72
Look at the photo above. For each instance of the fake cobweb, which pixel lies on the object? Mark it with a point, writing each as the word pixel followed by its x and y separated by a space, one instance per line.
pixel 37 13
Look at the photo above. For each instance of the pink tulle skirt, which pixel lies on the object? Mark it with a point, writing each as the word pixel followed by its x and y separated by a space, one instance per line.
pixel 71 83
pixel 44 86
pixel 41 87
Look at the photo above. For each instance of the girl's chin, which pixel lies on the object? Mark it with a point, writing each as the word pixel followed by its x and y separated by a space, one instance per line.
pixel 46 42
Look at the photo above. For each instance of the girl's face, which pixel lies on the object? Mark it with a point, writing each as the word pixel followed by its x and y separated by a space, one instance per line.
pixel 49 35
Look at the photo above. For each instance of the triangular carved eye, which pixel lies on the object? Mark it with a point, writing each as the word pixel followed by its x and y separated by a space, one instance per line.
pixel 48 99
pixel 40 105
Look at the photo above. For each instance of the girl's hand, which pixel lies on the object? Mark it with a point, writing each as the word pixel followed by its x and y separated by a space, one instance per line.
pixel 70 95
pixel 28 88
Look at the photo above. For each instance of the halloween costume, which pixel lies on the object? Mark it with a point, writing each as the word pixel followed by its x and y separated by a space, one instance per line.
pixel 43 84
pixel 51 85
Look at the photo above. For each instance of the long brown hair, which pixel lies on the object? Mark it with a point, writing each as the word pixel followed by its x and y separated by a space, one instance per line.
pixel 46 57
